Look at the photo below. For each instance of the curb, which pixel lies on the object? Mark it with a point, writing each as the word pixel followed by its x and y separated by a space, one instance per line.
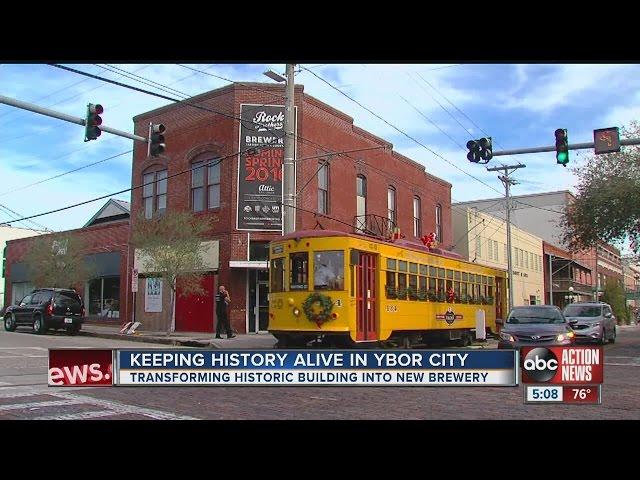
pixel 164 341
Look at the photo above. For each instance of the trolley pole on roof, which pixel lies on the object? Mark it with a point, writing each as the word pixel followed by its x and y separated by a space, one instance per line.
pixel 507 182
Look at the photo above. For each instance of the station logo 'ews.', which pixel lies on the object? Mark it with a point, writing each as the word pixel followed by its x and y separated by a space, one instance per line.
pixel 75 368
pixel 562 365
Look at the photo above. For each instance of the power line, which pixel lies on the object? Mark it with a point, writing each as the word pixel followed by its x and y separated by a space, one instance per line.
pixel 64 173
pixel 211 162
pixel 399 130
pixel 12 213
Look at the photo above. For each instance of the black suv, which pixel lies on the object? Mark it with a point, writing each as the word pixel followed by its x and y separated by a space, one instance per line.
pixel 46 308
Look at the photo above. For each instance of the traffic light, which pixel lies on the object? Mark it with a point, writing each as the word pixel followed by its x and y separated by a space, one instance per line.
pixel 480 150
pixel 156 139
pixel 486 149
pixel 93 122
pixel 474 151
pixel 562 147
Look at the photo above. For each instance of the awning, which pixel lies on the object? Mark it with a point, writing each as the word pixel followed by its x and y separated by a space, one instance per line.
pixel 256 264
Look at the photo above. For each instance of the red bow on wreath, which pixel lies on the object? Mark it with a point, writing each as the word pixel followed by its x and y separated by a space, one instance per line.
pixel 451 295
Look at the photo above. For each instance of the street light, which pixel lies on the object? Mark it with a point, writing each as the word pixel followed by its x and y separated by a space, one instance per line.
pixel 571 294
pixel 275 76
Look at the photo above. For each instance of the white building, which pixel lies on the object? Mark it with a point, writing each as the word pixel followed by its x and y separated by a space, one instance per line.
pixel 482 238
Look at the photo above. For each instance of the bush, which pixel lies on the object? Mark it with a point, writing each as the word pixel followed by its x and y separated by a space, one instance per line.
pixel 614 296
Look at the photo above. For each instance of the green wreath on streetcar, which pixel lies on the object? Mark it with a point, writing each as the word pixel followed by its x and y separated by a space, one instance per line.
pixel 326 307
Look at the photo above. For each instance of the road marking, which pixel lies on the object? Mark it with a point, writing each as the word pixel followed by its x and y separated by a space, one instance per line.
pixel 623 364
pixel 51 403
pixel 80 416
pixel 24 348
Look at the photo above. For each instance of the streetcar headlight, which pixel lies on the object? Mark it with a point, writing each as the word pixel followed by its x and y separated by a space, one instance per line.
pixel 296 312
pixel 290 301
pixel 506 337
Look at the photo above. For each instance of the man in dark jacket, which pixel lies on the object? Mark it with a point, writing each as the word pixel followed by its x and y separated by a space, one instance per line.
pixel 222 302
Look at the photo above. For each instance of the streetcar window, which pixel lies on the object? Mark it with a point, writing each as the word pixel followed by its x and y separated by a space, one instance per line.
pixel 277 275
pixel 402 266
pixel 391 264
pixel 432 285
pixel 413 287
pixel 422 285
pixel 440 289
pixel 472 278
pixel 423 270
pixel 353 279
pixel 450 274
pixel 465 277
pixel 463 292
pixel 413 268
pixel 456 288
pixel 441 273
pixel 484 280
pixel 299 268
pixel 328 270
pixel 391 285
pixel 456 275
pixel 490 280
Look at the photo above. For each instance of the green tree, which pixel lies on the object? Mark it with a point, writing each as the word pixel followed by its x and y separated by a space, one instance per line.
pixel 172 247
pixel 57 260
pixel 607 205
pixel 614 296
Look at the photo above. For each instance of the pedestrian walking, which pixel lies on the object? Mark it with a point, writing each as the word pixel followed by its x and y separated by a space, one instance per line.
pixel 223 299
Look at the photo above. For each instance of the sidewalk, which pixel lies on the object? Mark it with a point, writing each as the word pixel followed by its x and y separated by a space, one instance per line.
pixel 182 339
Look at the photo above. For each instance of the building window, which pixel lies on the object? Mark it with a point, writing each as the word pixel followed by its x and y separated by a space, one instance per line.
pixel 323 188
pixel 490 249
pixel 417 216
pixel 495 251
pixel 439 223
pixel 205 185
pixel 103 297
pixel 154 192
pixel 391 205
pixel 361 201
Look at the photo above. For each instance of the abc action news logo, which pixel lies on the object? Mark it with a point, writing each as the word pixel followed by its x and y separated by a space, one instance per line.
pixel 75 368
pixel 562 365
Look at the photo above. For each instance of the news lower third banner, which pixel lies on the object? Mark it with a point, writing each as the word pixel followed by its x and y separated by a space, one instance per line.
pixel 284 367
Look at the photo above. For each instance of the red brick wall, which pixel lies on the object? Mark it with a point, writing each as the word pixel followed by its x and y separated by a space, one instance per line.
pixel 192 132
pixel 111 237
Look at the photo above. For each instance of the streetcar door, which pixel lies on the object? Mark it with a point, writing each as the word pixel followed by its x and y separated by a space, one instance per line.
pixel 366 295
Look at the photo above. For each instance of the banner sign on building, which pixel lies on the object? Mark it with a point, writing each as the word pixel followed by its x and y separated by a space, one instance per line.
pixel 260 171
pixel 153 295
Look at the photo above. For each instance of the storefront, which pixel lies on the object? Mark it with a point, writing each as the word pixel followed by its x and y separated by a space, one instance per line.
pixel 256 275
pixel 102 292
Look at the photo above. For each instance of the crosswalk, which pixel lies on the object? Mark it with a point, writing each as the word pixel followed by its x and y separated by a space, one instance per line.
pixel 24 394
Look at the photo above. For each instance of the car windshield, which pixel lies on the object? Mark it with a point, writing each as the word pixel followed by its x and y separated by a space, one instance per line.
pixel 535 315
pixel 582 311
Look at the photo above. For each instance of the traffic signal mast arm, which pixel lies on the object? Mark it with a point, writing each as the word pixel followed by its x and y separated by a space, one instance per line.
pixel 67 118
pixel 552 148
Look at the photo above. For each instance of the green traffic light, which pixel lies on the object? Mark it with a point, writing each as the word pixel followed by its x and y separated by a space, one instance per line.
pixel 563 157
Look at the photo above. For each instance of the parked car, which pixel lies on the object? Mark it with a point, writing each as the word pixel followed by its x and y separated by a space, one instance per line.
pixel 592 321
pixel 47 308
pixel 535 325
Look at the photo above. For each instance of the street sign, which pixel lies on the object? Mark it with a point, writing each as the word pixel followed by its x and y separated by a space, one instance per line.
pixel 134 280
pixel 606 140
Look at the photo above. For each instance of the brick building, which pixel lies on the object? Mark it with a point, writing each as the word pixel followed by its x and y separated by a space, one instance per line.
pixel 106 239
pixel 374 184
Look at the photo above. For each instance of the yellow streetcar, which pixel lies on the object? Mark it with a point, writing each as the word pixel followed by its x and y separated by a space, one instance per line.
pixel 347 289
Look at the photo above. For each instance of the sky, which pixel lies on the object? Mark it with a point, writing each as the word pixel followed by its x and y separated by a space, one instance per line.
pixel 440 107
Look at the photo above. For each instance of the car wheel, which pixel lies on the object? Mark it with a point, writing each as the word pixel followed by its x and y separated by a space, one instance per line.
pixel 10 323
pixel 603 338
pixel 38 325
pixel 613 339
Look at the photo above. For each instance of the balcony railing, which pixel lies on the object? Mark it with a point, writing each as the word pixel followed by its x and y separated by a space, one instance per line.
pixel 562 285
pixel 373 225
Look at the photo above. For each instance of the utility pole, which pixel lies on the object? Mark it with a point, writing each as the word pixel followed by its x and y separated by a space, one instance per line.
pixel 550 279
pixel 288 166
pixel 507 182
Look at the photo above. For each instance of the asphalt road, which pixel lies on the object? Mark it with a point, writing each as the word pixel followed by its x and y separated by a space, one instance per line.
pixel 25 395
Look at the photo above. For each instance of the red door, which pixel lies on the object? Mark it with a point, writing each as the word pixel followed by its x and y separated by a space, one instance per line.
pixel 366 297
pixel 194 313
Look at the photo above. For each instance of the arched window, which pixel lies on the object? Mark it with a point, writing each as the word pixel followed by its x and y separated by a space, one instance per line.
pixel 439 223
pixel 154 191
pixel 323 188
pixel 361 202
pixel 205 184
pixel 391 205
pixel 417 217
